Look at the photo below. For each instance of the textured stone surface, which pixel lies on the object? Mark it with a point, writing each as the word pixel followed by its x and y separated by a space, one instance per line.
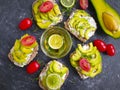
pixel 15 78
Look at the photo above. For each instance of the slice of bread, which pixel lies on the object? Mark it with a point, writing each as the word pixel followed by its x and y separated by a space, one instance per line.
pixel 53 23
pixel 44 70
pixel 76 33
pixel 32 56
pixel 89 56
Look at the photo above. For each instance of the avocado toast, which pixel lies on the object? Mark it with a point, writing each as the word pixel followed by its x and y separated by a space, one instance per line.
pixel 22 55
pixel 50 18
pixel 81 25
pixel 53 75
pixel 86 59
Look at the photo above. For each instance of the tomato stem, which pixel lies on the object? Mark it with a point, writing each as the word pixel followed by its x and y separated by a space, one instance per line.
pixel 40 62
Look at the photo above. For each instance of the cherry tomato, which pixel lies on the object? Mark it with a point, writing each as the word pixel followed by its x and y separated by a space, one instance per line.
pixel 84 4
pixel 28 40
pixel 33 67
pixel 46 6
pixel 84 64
pixel 101 45
pixel 110 50
pixel 25 24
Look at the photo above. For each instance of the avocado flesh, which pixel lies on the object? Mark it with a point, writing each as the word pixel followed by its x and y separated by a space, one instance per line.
pixel 18 60
pixel 79 22
pixel 21 53
pixel 45 20
pixel 90 46
pixel 92 55
pixel 101 7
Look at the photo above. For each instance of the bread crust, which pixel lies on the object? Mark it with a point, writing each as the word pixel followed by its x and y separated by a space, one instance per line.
pixel 34 53
pixel 43 71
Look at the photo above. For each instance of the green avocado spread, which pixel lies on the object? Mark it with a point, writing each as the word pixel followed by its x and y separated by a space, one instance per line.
pixel 20 53
pixel 45 20
pixel 91 54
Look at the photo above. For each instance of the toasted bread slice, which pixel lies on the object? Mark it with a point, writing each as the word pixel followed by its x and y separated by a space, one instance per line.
pixel 91 64
pixel 88 29
pixel 32 56
pixel 22 55
pixel 42 22
pixel 44 70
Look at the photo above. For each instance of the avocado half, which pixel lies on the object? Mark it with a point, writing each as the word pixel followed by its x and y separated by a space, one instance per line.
pixel 45 20
pixel 108 18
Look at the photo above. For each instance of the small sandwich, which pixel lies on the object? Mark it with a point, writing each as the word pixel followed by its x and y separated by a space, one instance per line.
pixel 24 50
pixel 86 59
pixel 81 25
pixel 53 76
pixel 46 13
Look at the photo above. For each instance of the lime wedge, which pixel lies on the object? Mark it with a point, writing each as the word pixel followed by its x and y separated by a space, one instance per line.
pixel 53 81
pixel 67 3
pixel 55 41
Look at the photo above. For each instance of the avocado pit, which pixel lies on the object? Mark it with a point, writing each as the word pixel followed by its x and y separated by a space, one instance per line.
pixel 109 22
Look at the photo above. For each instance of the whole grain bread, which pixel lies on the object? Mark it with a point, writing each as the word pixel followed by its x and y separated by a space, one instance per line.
pixel 43 71
pixel 34 53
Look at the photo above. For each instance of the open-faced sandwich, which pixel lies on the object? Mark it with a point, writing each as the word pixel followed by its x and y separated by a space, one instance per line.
pixel 53 76
pixel 81 25
pixel 86 59
pixel 46 13
pixel 24 50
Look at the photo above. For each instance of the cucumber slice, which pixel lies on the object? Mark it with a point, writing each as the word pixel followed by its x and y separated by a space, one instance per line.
pixel 53 81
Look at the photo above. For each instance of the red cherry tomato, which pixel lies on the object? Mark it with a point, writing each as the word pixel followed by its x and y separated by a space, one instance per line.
pixel 84 4
pixel 28 40
pixel 84 64
pixel 110 50
pixel 25 24
pixel 46 6
pixel 33 67
pixel 101 45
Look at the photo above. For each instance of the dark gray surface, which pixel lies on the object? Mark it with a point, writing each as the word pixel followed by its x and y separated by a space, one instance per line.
pixel 15 78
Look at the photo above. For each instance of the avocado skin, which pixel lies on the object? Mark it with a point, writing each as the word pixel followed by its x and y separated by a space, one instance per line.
pixel 102 6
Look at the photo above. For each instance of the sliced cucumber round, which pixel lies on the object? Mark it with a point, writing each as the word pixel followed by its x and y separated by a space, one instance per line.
pixel 53 81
